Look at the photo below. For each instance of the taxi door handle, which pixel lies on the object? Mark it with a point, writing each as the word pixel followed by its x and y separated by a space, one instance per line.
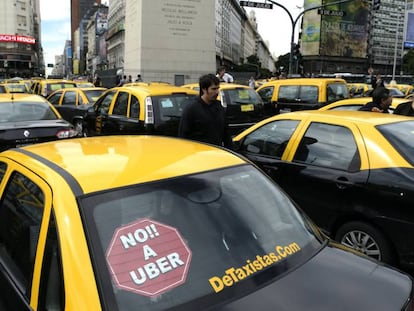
pixel 343 183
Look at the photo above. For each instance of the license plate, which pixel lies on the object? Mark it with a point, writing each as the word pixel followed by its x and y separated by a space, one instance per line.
pixel 245 108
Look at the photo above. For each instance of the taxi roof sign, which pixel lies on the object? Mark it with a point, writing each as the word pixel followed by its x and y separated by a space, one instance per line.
pixel 148 258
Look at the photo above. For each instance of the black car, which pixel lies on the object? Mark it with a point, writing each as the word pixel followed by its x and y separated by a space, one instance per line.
pixel 145 108
pixel 27 119
pixel 352 172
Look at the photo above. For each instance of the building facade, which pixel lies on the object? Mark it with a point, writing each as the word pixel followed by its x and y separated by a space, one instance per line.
pixel 20 50
pixel 353 37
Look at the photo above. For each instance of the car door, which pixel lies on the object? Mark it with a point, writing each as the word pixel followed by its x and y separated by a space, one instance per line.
pixel 98 115
pixel 24 210
pixel 323 171
pixel 68 105
pixel 118 120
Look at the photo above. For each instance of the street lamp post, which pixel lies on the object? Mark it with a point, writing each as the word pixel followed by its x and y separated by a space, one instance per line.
pixel 294 22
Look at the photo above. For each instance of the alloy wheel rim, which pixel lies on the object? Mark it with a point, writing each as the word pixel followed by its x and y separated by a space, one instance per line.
pixel 362 242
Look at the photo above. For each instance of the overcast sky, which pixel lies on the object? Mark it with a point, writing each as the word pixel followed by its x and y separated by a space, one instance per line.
pixel 274 25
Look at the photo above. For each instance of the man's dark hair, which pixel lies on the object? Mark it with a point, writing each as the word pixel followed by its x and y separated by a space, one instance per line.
pixel 379 94
pixel 206 81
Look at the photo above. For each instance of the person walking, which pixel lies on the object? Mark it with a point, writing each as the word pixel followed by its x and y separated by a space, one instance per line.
pixel 252 83
pixel 381 100
pixel 204 120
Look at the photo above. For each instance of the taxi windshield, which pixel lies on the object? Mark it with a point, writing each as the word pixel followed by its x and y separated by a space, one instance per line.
pixel 169 243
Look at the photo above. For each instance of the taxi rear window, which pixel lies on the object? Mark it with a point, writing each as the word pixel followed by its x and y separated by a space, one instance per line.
pixel 240 96
pixel 172 242
pixel 170 107
pixel 401 137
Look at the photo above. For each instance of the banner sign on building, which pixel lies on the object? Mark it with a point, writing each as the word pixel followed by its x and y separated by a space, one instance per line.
pixel 17 39
pixel 409 31
pixel 335 30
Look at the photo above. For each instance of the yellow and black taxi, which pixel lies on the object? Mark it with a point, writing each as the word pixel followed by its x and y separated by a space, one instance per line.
pixel 352 172
pixel 45 87
pixel 14 87
pixel 358 89
pixel 243 106
pixel 73 103
pixel 288 95
pixel 357 102
pixel 145 108
pixel 111 223
pixel 28 119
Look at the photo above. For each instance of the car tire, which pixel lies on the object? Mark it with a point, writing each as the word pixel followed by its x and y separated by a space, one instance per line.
pixel 367 239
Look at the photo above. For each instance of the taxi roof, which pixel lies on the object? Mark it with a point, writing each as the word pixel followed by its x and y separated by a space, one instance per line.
pixel 373 118
pixel 156 89
pixel 7 97
pixel 105 162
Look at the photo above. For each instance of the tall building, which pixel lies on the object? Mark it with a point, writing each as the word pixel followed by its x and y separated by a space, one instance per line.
pixel 78 8
pixel 20 49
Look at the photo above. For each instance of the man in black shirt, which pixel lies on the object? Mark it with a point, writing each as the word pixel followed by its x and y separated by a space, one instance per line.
pixel 405 109
pixel 205 120
pixel 381 100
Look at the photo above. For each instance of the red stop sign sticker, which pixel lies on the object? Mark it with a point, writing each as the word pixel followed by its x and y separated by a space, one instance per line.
pixel 148 258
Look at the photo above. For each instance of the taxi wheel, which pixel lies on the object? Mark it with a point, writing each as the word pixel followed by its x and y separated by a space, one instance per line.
pixel 365 239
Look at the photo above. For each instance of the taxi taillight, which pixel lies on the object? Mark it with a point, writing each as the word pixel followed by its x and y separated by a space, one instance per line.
pixel 149 111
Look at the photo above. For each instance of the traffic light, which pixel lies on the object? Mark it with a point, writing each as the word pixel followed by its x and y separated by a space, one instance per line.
pixel 376 4
pixel 296 51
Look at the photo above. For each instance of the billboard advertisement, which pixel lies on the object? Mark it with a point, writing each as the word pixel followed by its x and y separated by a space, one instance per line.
pixel 336 30
pixel 409 31
pixel 311 29
pixel 17 39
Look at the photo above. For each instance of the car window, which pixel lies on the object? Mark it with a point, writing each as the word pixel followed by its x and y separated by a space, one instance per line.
pixel 93 95
pixel 3 167
pixel 102 106
pixel 134 108
pixel 330 146
pixel 266 93
pixel 21 212
pixel 69 98
pixel 270 139
pixel 288 93
pixel 336 91
pixel 54 99
pixel 51 289
pixel 121 104
pixel 27 111
pixel 2 89
pixel 167 243
pixel 308 94
pixel 401 137
pixel 171 106
pixel 239 96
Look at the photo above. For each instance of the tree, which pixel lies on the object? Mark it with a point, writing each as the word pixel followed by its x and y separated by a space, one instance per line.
pixel 408 62
pixel 282 63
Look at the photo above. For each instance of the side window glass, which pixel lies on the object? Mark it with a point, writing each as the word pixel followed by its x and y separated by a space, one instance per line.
pixel 102 107
pixel 309 94
pixel 54 99
pixel 134 108
pixel 336 91
pixel 288 93
pixel 266 93
pixel 51 292
pixel 3 167
pixel 121 104
pixel 21 211
pixel 69 98
pixel 271 139
pixel 330 146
